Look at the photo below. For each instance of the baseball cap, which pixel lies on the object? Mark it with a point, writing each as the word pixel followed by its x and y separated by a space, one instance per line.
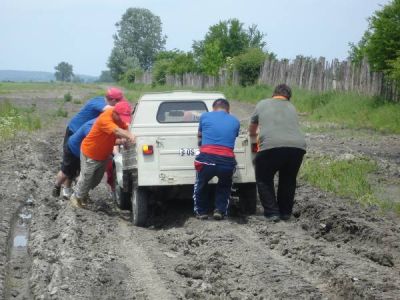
pixel 114 93
pixel 124 110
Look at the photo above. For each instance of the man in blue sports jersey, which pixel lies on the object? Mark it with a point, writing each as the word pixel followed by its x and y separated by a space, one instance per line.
pixel 218 131
pixel 70 165
pixel 91 110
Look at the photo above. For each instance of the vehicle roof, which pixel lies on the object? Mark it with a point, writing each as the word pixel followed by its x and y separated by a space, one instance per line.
pixel 181 95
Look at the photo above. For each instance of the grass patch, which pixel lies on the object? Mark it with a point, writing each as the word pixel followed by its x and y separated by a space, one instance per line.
pixel 77 102
pixel 67 97
pixel 61 112
pixel 346 178
pixel 14 119
pixel 352 110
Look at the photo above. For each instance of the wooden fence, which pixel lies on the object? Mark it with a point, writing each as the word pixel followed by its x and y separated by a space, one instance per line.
pixel 320 75
pixel 311 74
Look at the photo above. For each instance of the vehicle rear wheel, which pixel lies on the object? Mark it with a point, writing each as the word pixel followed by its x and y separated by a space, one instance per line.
pixel 139 206
pixel 122 196
pixel 247 193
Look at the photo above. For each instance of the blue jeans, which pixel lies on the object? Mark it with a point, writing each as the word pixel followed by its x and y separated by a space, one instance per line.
pixel 205 172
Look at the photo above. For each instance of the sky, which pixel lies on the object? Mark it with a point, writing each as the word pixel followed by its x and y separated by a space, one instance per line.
pixel 37 35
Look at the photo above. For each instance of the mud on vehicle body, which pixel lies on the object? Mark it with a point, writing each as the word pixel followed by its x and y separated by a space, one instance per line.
pixel 161 163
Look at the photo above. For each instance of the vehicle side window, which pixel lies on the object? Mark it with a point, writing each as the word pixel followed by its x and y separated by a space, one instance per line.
pixel 180 111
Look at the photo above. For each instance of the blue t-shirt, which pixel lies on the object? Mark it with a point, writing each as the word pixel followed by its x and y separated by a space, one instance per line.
pixel 92 109
pixel 218 128
pixel 75 140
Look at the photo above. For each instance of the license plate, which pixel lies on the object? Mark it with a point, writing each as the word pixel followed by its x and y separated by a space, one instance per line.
pixel 188 151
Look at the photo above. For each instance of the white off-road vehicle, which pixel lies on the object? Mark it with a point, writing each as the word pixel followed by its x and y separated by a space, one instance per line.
pixel 161 163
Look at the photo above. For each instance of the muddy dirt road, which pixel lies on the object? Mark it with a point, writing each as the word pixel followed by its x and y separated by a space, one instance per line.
pixel 332 249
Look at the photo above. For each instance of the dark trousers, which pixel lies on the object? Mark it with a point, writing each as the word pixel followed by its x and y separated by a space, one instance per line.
pixel 67 135
pixel 204 174
pixel 286 162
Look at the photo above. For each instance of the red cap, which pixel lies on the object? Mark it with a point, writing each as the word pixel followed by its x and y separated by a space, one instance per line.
pixel 124 110
pixel 114 93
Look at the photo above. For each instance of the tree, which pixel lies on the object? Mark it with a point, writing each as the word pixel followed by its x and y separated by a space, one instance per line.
pixel 64 72
pixel 212 59
pixel 249 65
pixel 105 76
pixel 172 62
pixel 395 68
pixel 380 44
pixel 231 39
pixel 139 37
pixel 183 63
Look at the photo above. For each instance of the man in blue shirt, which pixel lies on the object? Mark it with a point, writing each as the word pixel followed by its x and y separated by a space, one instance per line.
pixel 92 109
pixel 218 131
pixel 70 166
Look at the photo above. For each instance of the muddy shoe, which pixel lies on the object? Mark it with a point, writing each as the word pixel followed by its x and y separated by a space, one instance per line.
pixel 67 193
pixel 56 191
pixel 202 216
pixel 75 202
pixel 218 215
pixel 286 217
pixel 84 202
pixel 273 218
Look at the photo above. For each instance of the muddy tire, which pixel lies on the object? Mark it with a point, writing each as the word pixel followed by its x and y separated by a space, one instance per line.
pixel 247 193
pixel 122 195
pixel 139 206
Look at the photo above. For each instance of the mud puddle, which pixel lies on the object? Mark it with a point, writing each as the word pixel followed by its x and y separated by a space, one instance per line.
pixel 19 262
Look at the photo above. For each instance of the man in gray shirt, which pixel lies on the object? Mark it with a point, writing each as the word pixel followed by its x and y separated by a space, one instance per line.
pixel 281 149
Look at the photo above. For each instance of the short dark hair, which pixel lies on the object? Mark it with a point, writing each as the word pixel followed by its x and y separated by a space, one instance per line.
pixel 221 103
pixel 283 90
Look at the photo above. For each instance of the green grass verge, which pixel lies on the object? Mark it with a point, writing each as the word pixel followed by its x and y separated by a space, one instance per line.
pixel 346 178
pixel 13 119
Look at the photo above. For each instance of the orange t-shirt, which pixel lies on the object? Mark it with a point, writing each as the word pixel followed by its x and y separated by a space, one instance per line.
pixel 99 143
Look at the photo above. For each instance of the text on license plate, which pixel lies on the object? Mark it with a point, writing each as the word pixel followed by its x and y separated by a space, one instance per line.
pixel 188 151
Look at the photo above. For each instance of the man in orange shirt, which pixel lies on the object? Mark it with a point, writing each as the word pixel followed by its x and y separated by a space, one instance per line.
pixel 97 147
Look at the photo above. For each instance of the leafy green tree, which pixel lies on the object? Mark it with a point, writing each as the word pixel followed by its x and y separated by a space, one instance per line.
pixel 231 39
pixel 381 42
pixel 64 72
pixel 249 65
pixel 139 36
pixel 162 65
pixel 116 62
pixel 357 51
pixel 395 68
pixel 173 62
pixel 212 59
pixel 183 63
pixel 160 71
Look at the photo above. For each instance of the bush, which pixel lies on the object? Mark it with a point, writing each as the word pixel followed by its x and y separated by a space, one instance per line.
pixel 249 65
pixel 174 63
pixel 61 112
pixel 68 97
pixel 160 71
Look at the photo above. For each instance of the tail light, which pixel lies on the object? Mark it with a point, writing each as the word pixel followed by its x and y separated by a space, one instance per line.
pixel 254 147
pixel 147 149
